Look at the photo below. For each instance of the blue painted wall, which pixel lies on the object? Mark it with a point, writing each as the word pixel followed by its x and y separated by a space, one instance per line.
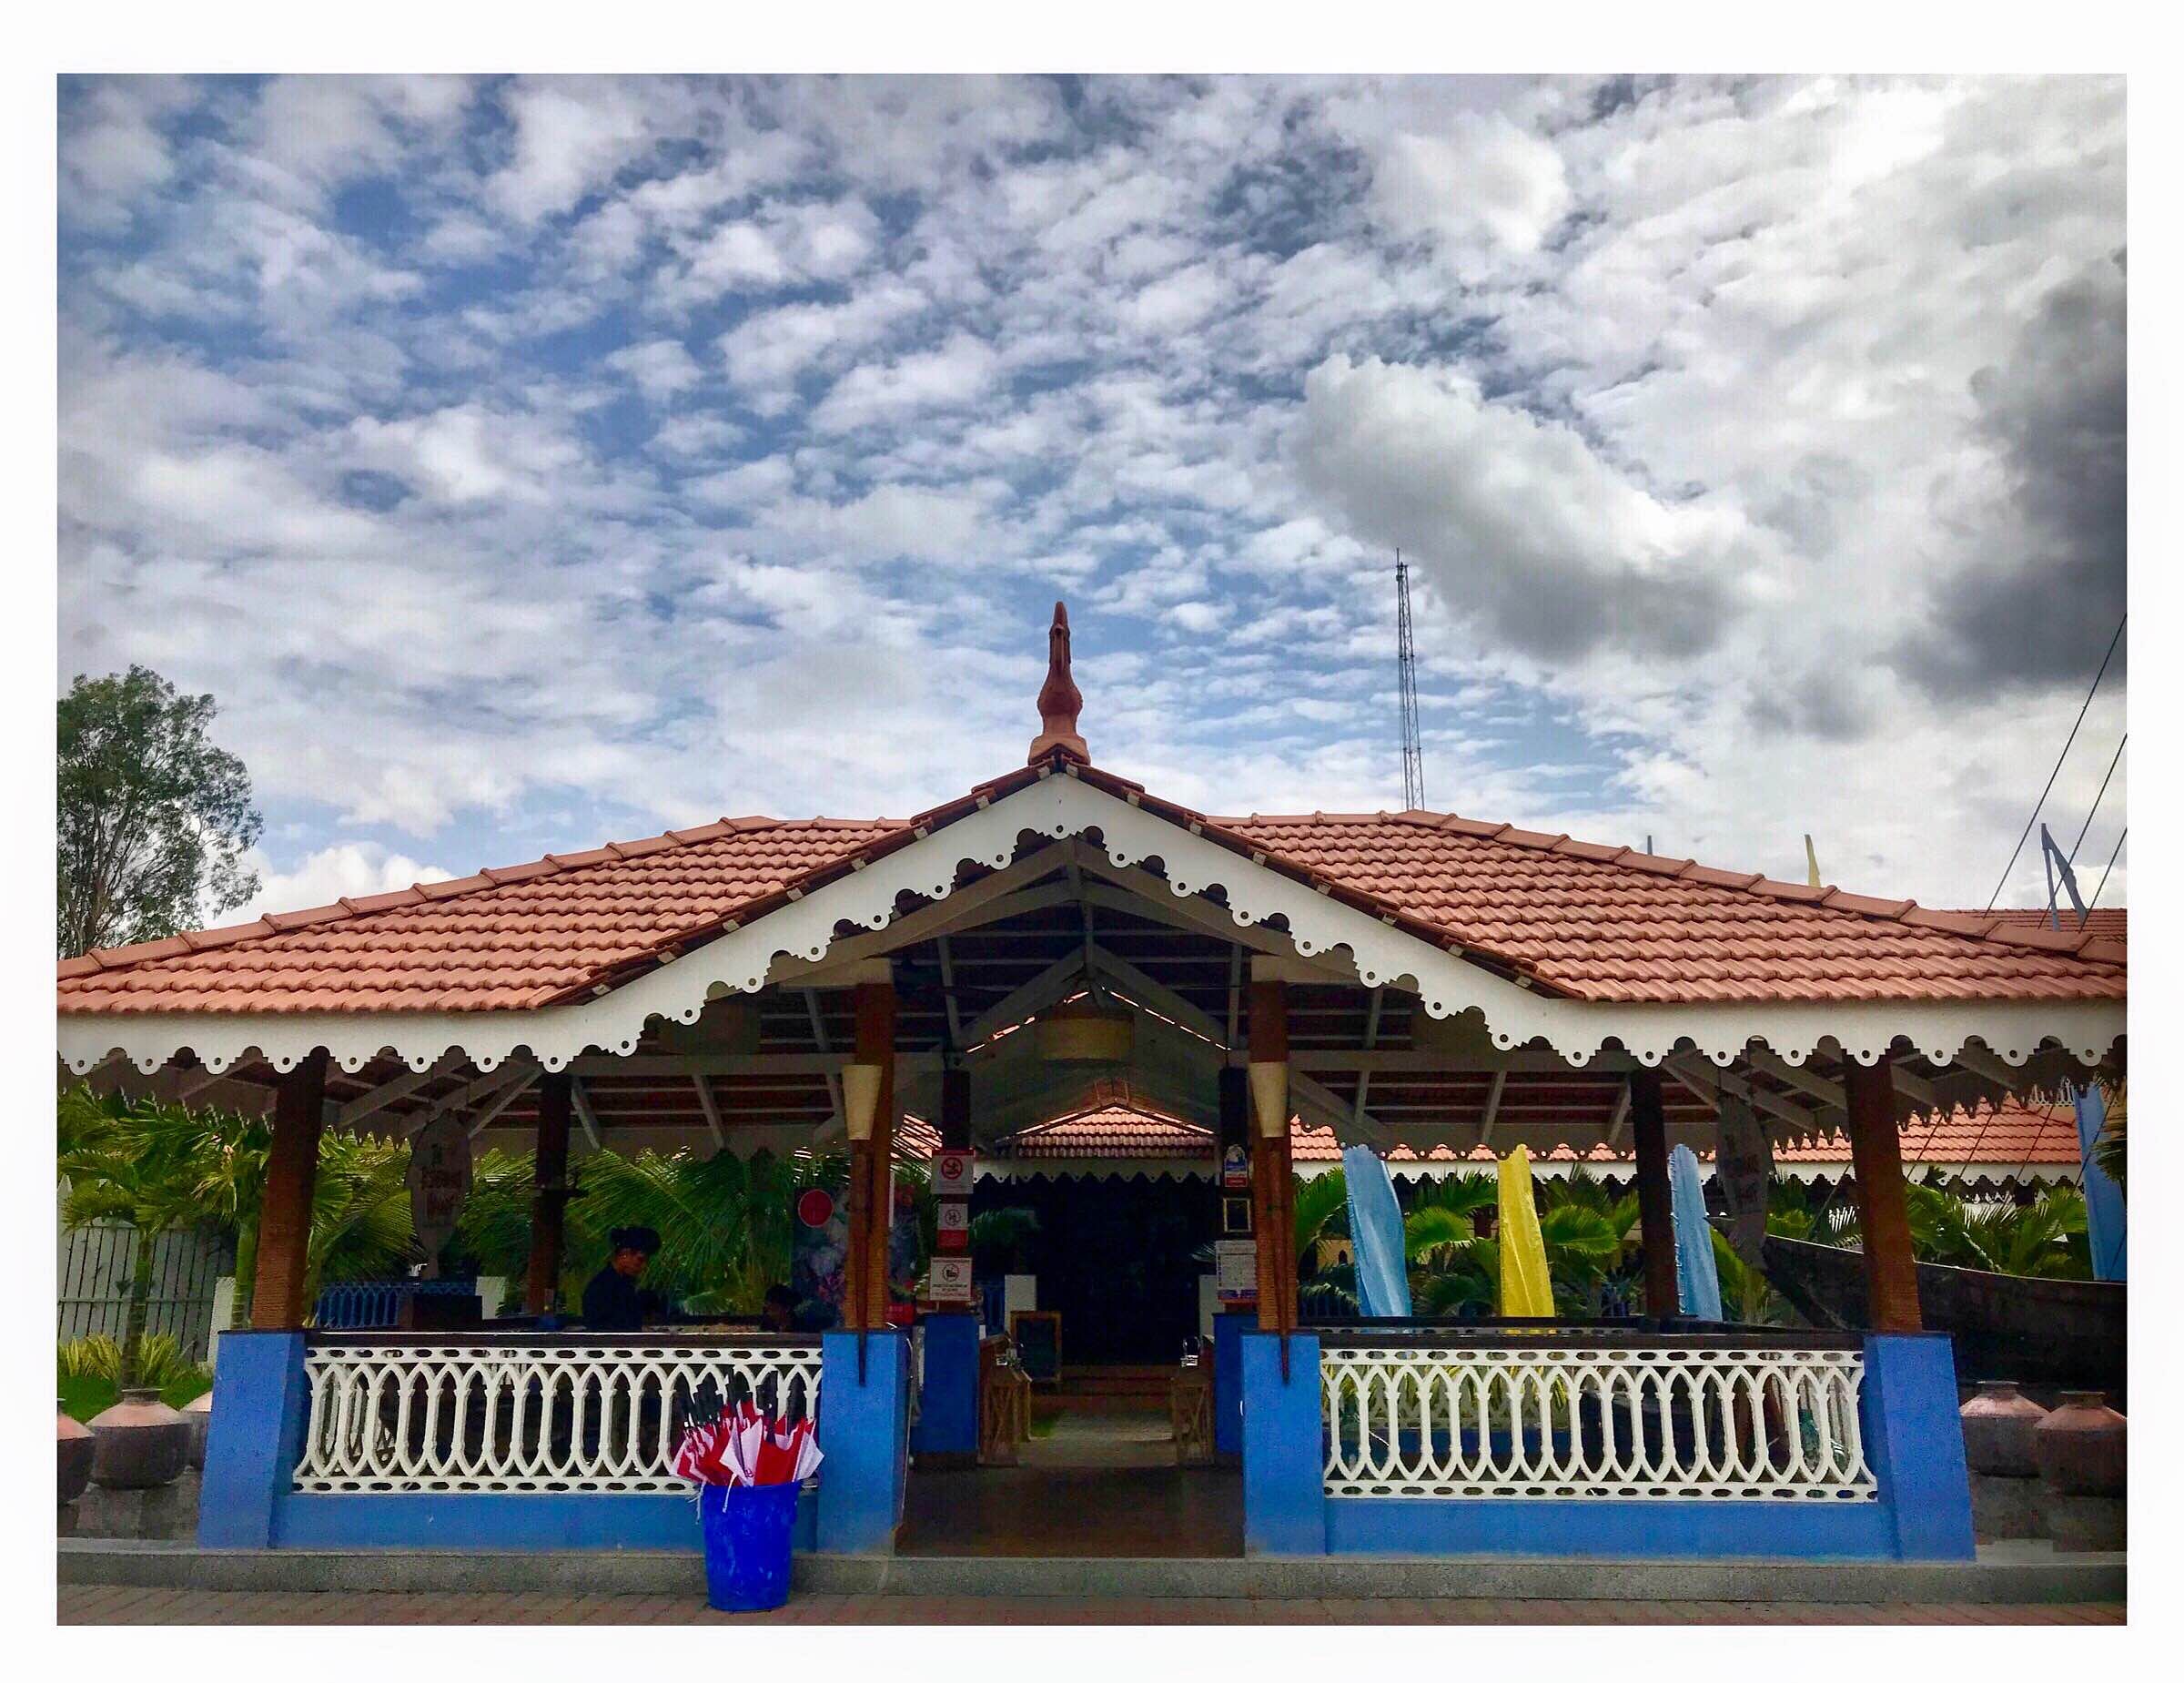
pixel 948 1406
pixel 1615 1529
pixel 259 1403
pixel 1229 1329
pixel 1915 1444
pixel 863 1432
pixel 1912 1440
pixel 517 1522
pixel 1285 1504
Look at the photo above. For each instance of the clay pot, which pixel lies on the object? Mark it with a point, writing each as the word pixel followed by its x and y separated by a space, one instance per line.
pixel 76 1444
pixel 198 1413
pixel 139 1442
pixel 1998 1431
pixel 2080 1446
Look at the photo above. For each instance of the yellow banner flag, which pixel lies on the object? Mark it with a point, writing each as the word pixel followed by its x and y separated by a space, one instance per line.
pixel 1525 1287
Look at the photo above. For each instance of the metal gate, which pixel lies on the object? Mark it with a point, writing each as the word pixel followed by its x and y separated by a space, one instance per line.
pixel 96 1261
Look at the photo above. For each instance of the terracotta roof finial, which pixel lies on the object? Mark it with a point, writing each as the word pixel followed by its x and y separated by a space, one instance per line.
pixel 1059 700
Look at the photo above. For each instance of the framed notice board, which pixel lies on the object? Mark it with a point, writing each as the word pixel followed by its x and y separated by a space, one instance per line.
pixel 1037 1335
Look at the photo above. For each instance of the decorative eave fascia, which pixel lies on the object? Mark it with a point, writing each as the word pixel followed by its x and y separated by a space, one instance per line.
pixel 984 830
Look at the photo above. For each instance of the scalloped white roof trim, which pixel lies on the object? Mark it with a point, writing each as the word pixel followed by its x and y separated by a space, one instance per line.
pixel 1059 807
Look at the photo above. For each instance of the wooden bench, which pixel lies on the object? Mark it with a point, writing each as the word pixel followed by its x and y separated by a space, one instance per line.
pixel 1003 1405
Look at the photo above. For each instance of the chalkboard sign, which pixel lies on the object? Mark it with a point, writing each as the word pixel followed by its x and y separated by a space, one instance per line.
pixel 1037 1335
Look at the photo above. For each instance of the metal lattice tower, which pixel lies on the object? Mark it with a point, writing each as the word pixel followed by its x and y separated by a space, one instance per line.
pixel 1406 670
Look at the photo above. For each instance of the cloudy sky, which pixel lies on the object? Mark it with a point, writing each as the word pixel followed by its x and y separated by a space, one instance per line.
pixel 523 464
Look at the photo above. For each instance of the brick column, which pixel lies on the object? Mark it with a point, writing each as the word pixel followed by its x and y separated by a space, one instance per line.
pixel 284 1219
pixel 1884 1215
pixel 549 1190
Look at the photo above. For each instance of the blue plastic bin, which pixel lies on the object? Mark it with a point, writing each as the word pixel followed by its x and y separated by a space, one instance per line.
pixel 747 1532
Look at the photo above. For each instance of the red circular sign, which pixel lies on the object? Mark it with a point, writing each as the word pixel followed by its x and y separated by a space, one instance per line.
pixel 815 1207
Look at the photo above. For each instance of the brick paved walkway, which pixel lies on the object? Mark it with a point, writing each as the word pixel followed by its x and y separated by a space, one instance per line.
pixel 92 1605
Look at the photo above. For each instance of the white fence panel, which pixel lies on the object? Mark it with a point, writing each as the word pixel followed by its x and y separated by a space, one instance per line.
pixel 463 1414
pixel 1629 1420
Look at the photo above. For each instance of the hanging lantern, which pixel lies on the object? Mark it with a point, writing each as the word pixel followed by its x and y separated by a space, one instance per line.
pixel 1086 1031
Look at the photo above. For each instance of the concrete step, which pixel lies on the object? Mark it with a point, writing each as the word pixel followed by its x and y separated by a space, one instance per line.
pixel 2010 1573
pixel 1145 1382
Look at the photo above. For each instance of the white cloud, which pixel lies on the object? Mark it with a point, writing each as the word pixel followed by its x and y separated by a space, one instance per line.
pixel 1485 181
pixel 1552 548
pixel 347 870
pixel 1720 418
pixel 570 134
pixel 660 368
pixel 946 377
pixel 468 454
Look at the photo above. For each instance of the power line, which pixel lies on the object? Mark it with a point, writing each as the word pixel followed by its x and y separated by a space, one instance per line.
pixel 2059 758
pixel 2096 805
pixel 2114 855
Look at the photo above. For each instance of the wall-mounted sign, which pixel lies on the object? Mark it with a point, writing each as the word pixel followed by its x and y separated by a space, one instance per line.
pixel 815 1207
pixel 1235 1216
pixel 1236 1169
pixel 1235 1270
pixel 952 1216
pixel 951 1175
pixel 950 1280
pixel 440 1180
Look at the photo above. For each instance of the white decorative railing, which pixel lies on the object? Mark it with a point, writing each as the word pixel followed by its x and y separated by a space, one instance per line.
pixel 1664 1417
pixel 590 1415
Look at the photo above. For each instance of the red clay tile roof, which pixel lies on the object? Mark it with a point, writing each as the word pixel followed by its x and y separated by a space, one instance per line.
pixel 1592 921
pixel 1108 1133
pixel 2033 1135
pixel 2108 923
pixel 500 941
pixel 1610 923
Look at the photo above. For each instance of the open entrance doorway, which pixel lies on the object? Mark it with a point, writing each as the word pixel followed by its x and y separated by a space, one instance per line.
pixel 1116 1260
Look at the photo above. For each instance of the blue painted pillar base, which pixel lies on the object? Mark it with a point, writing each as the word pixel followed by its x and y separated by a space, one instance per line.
pixel 864 1432
pixel 1915 1444
pixel 259 1405
pixel 947 1407
pixel 1229 1328
pixel 1285 1497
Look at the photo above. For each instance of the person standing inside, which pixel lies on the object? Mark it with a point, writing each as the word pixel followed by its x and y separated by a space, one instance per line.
pixel 613 1301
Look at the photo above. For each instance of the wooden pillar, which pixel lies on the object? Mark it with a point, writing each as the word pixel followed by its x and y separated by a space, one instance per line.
pixel 1273 1189
pixel 954 1110
pixel 1884 1214
pixel 871 1168
pixel 1656 1207
pixel 549 1190
pixel 284 1218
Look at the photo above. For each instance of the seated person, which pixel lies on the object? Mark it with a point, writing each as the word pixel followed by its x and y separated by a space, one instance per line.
pixel 779 1315
pixel 613 1301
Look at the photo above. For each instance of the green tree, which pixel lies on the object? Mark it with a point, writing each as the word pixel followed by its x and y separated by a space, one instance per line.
pixel 153 820
pixel 163 1167
pixel 115 1173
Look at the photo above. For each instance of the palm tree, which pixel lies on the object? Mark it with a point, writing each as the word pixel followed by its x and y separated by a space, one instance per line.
pixel 360 1226
pixel 116 1171
pixel 1321 1209
pixel 726 1224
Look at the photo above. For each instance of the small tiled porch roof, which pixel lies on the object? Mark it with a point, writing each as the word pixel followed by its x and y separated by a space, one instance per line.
pixel 1581 920
pixel 2028 1136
